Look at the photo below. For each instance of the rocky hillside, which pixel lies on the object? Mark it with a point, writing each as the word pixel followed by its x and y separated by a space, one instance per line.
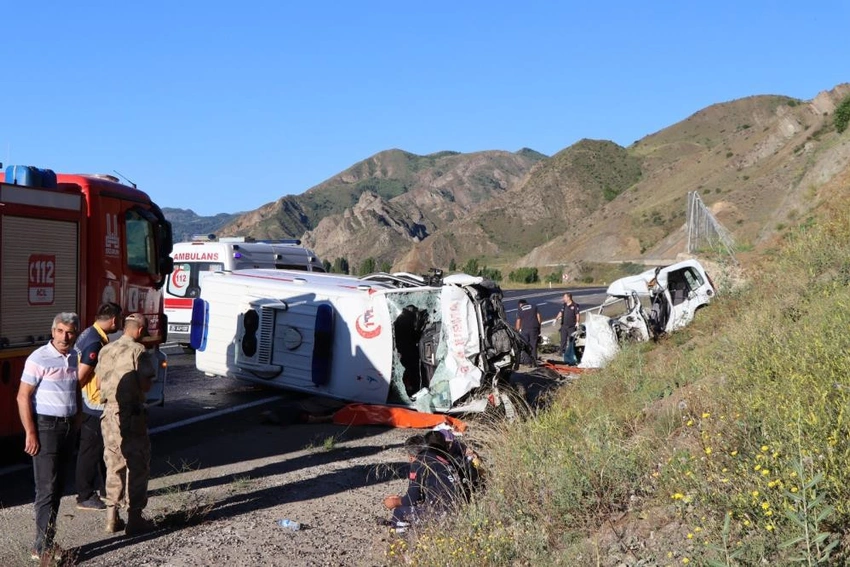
pixel 757 162
pixel 185 222
pixel 381 206
pixel 557 196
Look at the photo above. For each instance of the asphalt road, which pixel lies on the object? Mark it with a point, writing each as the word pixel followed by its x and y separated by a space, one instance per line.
pixel 549 301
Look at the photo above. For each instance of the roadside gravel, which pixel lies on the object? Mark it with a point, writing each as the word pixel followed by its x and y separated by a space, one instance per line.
pixel 219 487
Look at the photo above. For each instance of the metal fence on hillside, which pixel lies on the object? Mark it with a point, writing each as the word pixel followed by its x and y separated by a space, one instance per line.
pixel 704 231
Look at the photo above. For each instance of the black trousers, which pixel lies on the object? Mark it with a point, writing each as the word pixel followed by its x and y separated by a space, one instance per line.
pixel 91 470
pixel 568 345
pixel 51 466
pixel 532 337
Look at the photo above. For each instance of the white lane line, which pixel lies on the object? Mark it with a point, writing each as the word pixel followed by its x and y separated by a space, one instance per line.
pixel 168 427
pixel 198 418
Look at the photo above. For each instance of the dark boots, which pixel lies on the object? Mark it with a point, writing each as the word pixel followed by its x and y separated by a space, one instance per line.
pixel 137 524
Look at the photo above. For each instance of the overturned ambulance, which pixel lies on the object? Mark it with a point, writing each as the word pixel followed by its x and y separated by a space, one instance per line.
pixel 433 344
pixel 647 306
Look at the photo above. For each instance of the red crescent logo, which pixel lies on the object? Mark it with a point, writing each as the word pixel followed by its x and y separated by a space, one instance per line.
pixel 178 272
pixel 366 333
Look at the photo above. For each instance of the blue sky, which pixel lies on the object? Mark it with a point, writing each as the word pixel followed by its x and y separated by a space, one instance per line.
pixel 223 106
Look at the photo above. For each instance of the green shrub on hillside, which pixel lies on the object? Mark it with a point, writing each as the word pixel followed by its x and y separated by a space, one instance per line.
pixel 554 277
pixel 842 115
pixel 368 266
pixel 491 273
pixel 524 275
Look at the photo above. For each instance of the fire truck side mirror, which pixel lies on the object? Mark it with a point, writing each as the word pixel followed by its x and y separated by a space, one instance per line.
pixel 166 266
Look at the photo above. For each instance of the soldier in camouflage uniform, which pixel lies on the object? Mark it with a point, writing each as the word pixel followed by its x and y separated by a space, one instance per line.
pixel 125 372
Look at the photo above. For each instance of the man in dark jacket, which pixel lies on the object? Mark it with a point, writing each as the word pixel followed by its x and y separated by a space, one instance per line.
pixel 528 324
pixel 91 470
pixel 433 486
pixel 569 317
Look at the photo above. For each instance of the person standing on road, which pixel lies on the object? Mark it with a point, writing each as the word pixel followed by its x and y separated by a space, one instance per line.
pixel 528 324
pixel 50 408
pixel 569 317
pixel 91 470
pixel 125 374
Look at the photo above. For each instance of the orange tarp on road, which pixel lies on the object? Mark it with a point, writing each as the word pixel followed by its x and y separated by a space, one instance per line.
pixel 564 369
pixel 365 414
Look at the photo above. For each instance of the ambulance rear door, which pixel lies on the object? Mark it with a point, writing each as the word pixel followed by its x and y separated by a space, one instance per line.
pixel 192 264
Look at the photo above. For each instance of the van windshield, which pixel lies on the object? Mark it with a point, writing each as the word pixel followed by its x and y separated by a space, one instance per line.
pixel 185 280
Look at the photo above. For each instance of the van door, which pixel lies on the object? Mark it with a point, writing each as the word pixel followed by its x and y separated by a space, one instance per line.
pixel 686 293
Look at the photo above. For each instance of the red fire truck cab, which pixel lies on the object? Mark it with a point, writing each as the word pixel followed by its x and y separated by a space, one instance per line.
pixel 69 242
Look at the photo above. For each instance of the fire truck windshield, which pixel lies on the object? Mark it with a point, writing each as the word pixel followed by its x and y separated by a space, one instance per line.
pixel 141 254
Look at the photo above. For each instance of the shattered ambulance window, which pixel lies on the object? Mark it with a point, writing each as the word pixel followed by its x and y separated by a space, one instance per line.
pixel 417 335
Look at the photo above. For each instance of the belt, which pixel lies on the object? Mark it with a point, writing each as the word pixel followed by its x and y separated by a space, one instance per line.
pixel 55 418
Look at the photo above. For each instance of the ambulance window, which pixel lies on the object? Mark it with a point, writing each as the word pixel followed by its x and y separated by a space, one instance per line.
pixel 185 280
pixel 140 243
pixel 179 280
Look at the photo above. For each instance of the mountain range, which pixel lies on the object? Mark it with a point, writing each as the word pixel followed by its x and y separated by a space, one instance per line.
pixel 757 163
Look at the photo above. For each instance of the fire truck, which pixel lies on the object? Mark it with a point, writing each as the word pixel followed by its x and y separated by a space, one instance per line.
pixel 69 242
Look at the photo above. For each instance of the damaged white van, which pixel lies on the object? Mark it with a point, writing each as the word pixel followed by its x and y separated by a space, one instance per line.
pixel 431 344
pixel 647 306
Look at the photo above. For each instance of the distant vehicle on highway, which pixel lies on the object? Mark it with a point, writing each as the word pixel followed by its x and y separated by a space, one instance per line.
pixel 434 344
pixel 644 307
